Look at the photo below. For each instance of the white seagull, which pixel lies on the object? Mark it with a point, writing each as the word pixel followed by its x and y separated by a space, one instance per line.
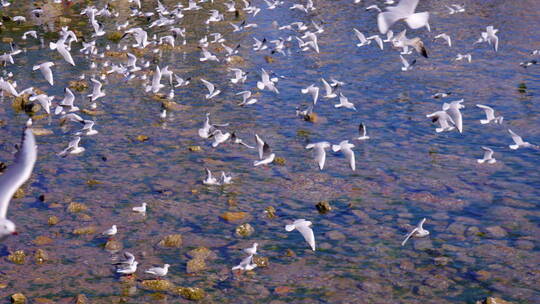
pixel 159 271
pixel 488 156
pixel 344 102
pixel 15 176
pixel 363 132
pixel 45 69
pixel 418 231
pixel 519 143
pixel 140 209
pixel 490 115
pixel 212 92
pixel 403 11
pixel 346 148
pixel 304 228
pixel 320 153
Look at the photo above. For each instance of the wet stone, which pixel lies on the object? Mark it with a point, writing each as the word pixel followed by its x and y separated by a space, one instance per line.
pixel 496 232
pixel 195 265
pixel 81 299
pixel 41 256
pixel 406 265
pixel 323 207
pixel 76 207
pixel 260 261
pixel 17 257
pixel 171 241
pixel 482 275
pixel 234 216
pixel 190 293
pixel 113 245
pixel 270 212
pixel 42 240
pixel 85 230
pixel 493 300
pixel 244 230
pixel 335 235
pixel 157 285
pixel 201 253
pixel 18 298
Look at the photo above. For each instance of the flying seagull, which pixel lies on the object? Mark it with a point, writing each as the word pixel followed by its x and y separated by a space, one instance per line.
pixel 16 175
pixel 304 228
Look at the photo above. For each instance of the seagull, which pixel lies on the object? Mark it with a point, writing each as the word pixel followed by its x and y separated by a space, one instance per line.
pixel 239 76
pixel 330 90
pixel 96 90
pixel 401 41
pixel 210 179
pixel 208 129
pixel 73 147
pixel 441 95
pixel 156 81
pixel 460 57
pixel 361 37
pixel 212 92
pixel 180 81
pixel 444 120
pixel 252 250
pixel 63 51
pixel 239 141
pixel 129 259
pixel 418 231
pixel 453 110
pixel 313 91
pixel 206 55
pixel 519 143
pixel 490 37
pixel 455 9
pixel 371 7
pixel 111 231
pixel 46 71
pixel 304 228
pixel 226 179
pixel 259 45
pixel 406 65
pixel 219 137
pixel 29 33
pixel 445 37
pixel 87 128
pixel 140 209
pixel 7 86
pixel 320 153
pixel 246 98
pixel 266 82
pixel 488 156
pixel 130 269
pixel 265 153
pixel 490 115
pixel 363 132
pixel 403 11
pixel 246 264
pixel 377 39
pixel 66 104
pixel 346 148
pixel 44 101
pixel 159 271
pixel 528 63
pixel 344 102
pixel 15 176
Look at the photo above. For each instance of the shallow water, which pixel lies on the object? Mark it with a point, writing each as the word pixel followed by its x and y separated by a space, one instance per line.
pixel 483 219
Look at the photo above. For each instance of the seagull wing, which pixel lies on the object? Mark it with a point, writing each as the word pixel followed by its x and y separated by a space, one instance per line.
pixel 488 152
pixel 19 172
pixel 517 139
pixel 307 233
pixel 209 86
pixel 408 236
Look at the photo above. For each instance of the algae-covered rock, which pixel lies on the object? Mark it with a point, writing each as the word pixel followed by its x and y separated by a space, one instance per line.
pixel 195 265
pixel 78 85
pixel 41 256
pixel 81 299
pixel 113 245
pixel 42 240
pixel 269 59
pixel 19 193
pixel 41 131
pixel 194 148
pixel 244 230
pixel 53 220
pixel 85 230
pixel 493 300
pixel 116 54
pixel 323 207
pixel 270 212
pixel 171 241
pixel 260 261
pixel 201 253
pixel 157 285
pixel 114 36
pixel 236 60
pixel 7 39
pixel 93 182
pixel 190 293
pixel 311 117
pixel 234 216
pixel 17 257
pixel 76 207
pixel 279 161
pixel 142 138
pixel 18 298
pixel 93 112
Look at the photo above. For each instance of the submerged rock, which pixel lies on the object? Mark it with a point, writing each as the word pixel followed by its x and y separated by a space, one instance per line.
pixel 323 207
pixel 76 207
pixel 270 212
pixel 234 216
pixel 18 298
pixel 78 85
pixel 195 265
pixel 244 230
pixel 201 253
pixel 279 161
pixel 113 245
pixel 260 261
pixel 81 299
pixel 17 257
pixel 194 148
pixel 42 240
pixel 190 293
pixel 171 241
pixel 157 285
pixel 41 256
pixel 493 300
pixel 85 230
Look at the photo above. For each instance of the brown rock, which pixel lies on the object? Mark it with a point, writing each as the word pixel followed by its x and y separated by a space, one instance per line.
pixel 41 256
pixel 482 275
pixel 85 230
pixel 260 261
pixel 81 299
pixel 234 216
pixel 76 207
pixel 201 253
pixel 53 220
pixel 280 290
pixel 113 245
pixel 191 293
pixel 244 230
pixel 157 285
pixel 496 232
pixel 18 257
pixel 18 298
pixel 171 241
pixel 195 265
pixel 42 240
